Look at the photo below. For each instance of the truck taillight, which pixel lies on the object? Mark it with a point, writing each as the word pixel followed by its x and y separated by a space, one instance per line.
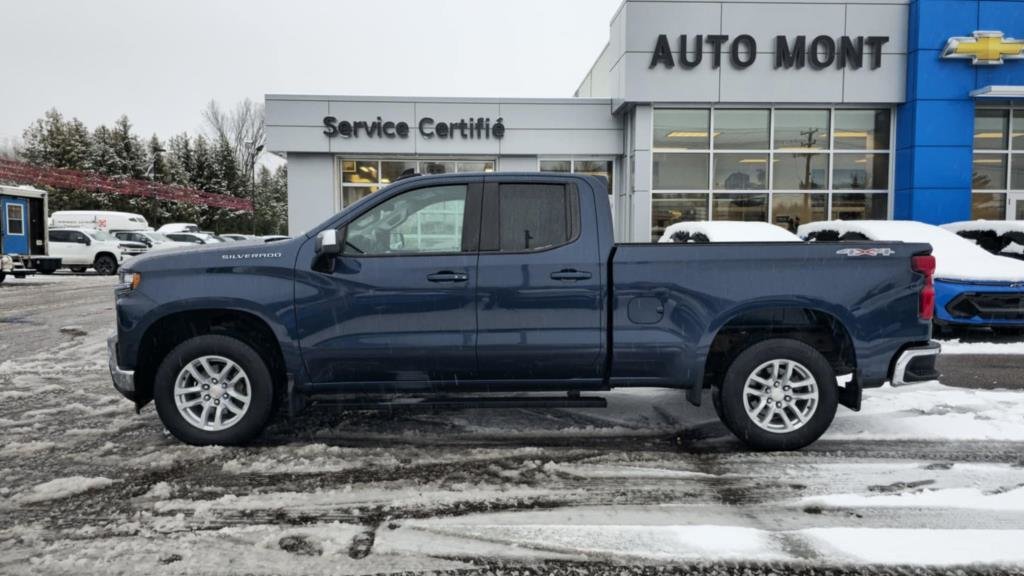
pixel 926 301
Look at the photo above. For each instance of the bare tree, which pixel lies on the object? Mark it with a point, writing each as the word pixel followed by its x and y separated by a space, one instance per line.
pixel 241 127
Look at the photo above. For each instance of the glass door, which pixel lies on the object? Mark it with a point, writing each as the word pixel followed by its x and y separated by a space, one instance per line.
pixel 1016 207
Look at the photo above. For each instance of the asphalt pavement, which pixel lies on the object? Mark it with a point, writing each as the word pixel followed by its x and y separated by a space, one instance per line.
pixel 91 487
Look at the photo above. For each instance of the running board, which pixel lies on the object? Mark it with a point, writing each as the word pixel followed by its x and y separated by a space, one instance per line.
pixel 450 403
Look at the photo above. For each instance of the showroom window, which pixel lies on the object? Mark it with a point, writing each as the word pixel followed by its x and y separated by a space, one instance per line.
pixel 593 167
pixel 780 165
pixel 997 176
pixel 361 178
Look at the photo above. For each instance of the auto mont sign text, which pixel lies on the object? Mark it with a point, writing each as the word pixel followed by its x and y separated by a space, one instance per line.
pixel 816 53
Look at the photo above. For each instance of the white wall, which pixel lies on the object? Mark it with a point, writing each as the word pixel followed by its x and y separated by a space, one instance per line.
pixel 622 72
pixel 311 197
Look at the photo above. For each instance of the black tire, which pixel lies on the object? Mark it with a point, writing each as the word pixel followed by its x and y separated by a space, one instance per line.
pixel 734 413
pixel 105 265
pixel 249 426
pixel 3 275
pixel 78 269
pixel 716 401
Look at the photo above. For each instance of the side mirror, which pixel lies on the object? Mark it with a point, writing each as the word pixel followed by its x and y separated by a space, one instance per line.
pixel 329 242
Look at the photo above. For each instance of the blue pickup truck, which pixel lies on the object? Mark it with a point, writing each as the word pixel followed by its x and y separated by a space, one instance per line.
pixel 479 287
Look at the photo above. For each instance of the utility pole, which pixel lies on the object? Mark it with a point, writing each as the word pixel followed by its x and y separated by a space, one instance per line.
pixel 252 170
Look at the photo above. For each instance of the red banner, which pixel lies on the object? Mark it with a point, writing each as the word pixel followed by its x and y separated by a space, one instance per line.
pixel 91 182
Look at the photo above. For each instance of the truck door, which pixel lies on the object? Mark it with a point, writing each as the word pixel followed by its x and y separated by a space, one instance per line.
pixel 15 225
pixel 539 287
pixel 398 304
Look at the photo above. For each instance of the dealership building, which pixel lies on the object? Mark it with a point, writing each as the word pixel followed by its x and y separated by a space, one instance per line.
pixel 779 111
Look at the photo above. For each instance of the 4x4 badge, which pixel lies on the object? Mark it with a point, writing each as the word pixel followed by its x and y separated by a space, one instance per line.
pixel 866 252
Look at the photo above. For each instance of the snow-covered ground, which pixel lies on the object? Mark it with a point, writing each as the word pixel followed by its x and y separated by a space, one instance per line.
pixel 924 477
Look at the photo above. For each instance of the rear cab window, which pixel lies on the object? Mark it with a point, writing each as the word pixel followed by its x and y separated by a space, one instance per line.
pixel 529 217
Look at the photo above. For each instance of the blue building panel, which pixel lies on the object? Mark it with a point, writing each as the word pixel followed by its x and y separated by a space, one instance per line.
pixel 935 127
pixel 942 167
pixel 936 78
pixel 933 22
pixel 1005 15
pixel 936 205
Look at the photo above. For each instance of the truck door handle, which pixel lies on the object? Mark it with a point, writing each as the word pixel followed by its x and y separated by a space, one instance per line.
pixel 570 274
pixel 447 276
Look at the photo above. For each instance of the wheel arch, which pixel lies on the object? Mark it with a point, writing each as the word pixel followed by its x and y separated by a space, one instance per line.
pixel 817 325
pixel 173 328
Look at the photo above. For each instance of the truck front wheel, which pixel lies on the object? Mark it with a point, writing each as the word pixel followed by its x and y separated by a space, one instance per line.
pixel 213 389
pixel 105 265
pixel 779 394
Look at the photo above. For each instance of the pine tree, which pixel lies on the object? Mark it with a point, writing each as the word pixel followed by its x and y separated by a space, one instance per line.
pixel 157 162
pixel 103 157
pixel 78 146
pixel 42 139
pixel 227 179
pixel 128 148
pixel 180 160
pixel 202 172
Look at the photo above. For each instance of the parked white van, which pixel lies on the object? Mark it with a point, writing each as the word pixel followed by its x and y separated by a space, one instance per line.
pixel 106 220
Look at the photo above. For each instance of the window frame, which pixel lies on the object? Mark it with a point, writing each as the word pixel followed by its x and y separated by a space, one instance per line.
pixel 612 189
pixel 340 185
pixel 829 190
pixel 490 221
pixel 20 219
pixel 1008 192
pixel 470 223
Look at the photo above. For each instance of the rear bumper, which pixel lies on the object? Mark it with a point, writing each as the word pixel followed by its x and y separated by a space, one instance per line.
pixel 124 380
pixel 916 364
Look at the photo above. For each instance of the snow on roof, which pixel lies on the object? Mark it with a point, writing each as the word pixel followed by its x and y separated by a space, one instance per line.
pixel 732 232
pixel 997 226
pixel 956 258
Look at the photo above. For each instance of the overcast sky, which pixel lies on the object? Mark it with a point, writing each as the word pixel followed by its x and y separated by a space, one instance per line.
pixel 160 61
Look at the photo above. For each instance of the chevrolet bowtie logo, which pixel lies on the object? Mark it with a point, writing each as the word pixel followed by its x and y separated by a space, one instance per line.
pixel 984 48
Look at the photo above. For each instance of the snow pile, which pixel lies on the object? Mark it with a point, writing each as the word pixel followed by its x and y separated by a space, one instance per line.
pixel 984 348
pixel 732 231
pixel 998 226
pixel 918 546
pixel 519 536
pixel 932 411
pixel 950 498
pixel 956 258
pixel 62 488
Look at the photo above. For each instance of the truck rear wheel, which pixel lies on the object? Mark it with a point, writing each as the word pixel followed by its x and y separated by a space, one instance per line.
pixel 779 394
pixel 213 389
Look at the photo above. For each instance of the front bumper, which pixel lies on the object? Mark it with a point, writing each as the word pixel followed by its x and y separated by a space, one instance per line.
pixel 916 364
pixel 124 380
pixel 979 304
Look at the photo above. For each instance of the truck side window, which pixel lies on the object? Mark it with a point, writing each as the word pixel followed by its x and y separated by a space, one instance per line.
pixel 421 221
pixel 536 216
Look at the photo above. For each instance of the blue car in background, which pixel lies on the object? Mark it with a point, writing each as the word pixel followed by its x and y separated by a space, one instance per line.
pixel 973 287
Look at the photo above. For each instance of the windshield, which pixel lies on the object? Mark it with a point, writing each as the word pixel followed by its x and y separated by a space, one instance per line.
pixel 101 236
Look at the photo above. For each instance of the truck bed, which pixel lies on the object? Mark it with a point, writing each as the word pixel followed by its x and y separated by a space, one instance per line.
pixel 671 301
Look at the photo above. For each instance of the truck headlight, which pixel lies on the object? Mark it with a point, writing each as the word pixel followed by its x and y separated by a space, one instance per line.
pixel 128 280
